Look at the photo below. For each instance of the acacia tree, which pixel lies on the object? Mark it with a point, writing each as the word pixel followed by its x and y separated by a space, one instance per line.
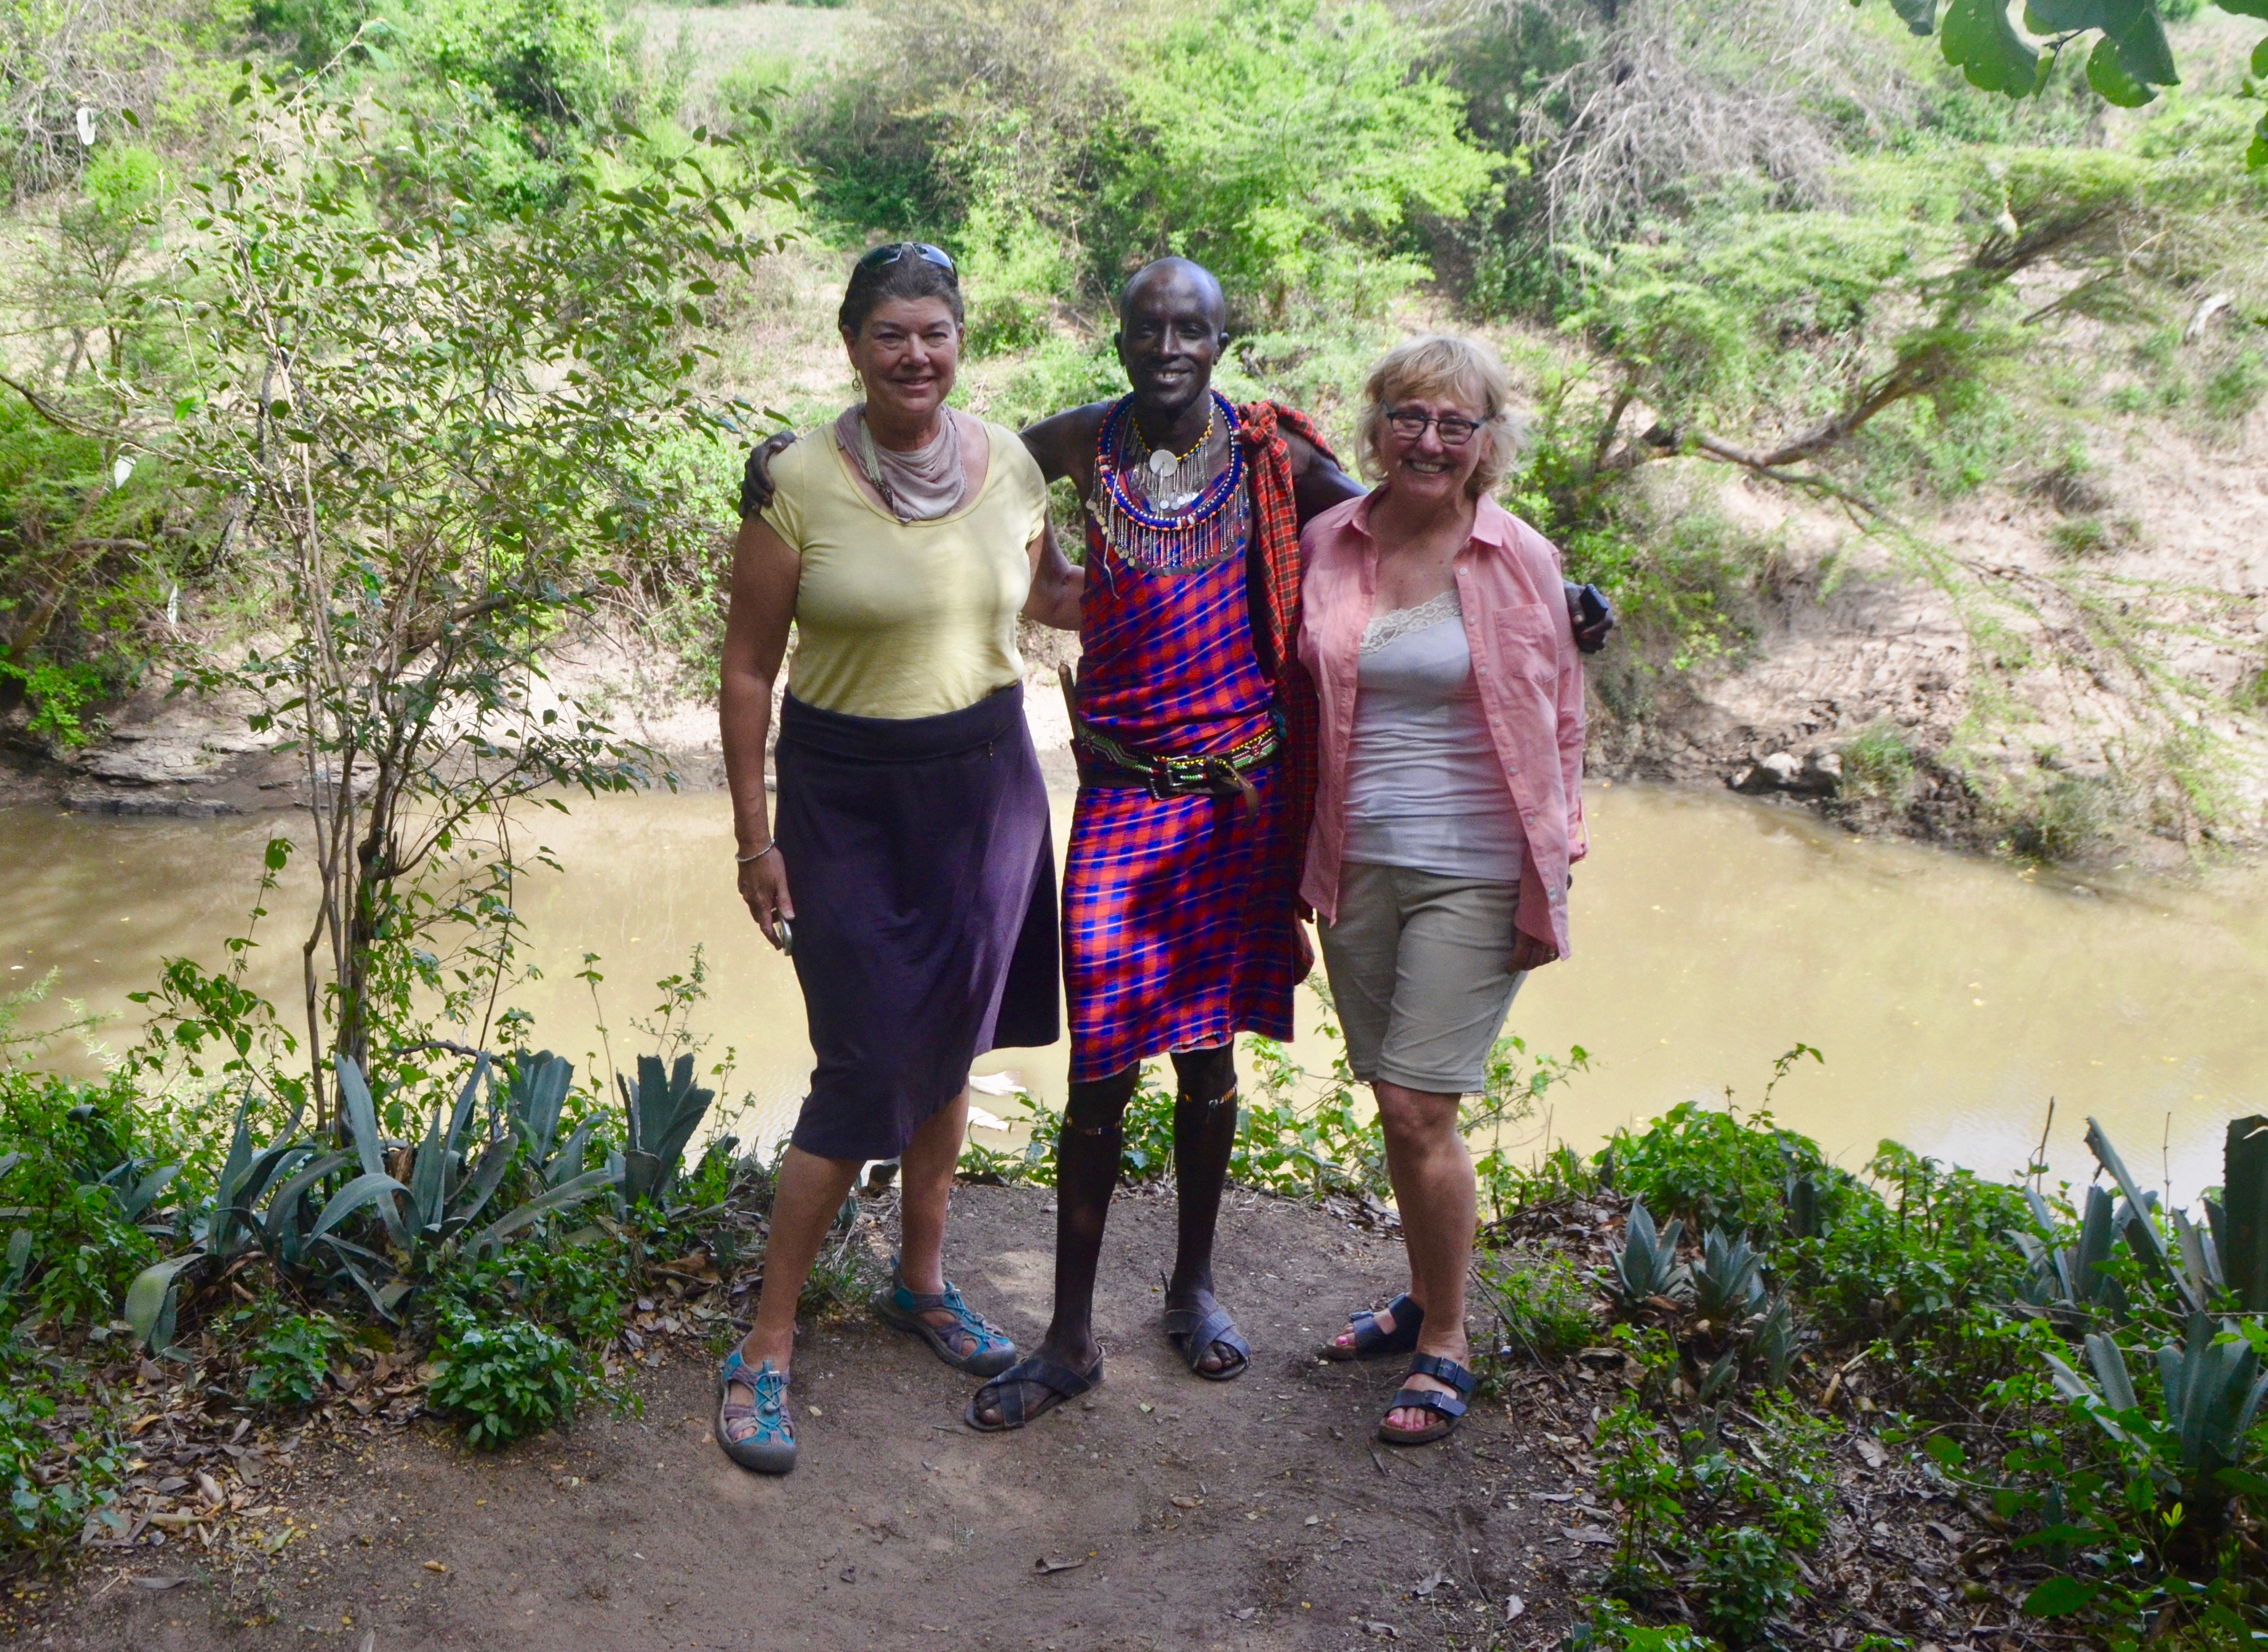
pixel 430 426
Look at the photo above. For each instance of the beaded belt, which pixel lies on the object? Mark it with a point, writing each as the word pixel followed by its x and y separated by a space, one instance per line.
pixel 1103 761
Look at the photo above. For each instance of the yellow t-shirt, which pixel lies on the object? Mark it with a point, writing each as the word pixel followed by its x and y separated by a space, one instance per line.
pixel 905 619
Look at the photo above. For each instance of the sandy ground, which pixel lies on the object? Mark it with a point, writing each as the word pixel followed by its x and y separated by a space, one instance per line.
pixel 1254 1514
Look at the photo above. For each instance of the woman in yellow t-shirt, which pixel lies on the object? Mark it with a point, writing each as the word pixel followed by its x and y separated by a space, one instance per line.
pixel 909 871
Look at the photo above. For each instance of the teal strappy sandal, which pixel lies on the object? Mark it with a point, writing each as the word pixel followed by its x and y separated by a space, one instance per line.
pixel 990 1349
pixel 770 1448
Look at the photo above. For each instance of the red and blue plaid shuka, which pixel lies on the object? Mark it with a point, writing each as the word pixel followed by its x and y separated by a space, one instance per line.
pixel 1179 914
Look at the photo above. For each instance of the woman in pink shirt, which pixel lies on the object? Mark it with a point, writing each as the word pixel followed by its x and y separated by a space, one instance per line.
pixel 1447 808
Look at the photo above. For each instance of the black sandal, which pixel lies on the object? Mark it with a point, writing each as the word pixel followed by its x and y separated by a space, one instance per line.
pixel 1060 1382
pixel 1370 1342
pixel 1194 1335
pixel 1449 1409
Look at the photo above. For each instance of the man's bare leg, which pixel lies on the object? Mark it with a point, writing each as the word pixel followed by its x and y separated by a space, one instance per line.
pixel 1204 1137
pixel 1086 1174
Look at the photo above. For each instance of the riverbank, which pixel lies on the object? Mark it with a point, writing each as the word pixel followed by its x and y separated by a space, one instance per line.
pixel 1867 692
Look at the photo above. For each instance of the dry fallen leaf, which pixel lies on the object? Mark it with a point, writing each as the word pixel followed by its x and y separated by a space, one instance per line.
pixel 435 1566
pixel 1043 1566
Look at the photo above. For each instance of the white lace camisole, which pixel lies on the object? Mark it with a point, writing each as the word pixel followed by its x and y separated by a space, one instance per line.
pixel 1424 788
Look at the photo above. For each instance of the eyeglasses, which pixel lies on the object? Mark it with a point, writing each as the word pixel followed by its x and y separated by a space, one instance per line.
pixel 1409 424
pixel 891 252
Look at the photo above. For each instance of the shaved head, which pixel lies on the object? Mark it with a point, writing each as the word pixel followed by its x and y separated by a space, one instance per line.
pixel 1177 272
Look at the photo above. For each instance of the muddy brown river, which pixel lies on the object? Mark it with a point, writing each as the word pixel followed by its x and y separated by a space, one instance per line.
pixel 1951 998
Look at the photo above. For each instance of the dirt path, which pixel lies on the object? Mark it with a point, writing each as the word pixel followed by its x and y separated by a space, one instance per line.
pixel 1254 1514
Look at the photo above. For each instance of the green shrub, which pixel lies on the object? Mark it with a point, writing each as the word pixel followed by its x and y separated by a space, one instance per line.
pixel 1544 1308
pixel 290 1357
pixel 1294 148
pixel 2237 388
pixel 1877 761
pixel 1745 1576
pixel 1609 1628
pixel 84 1192
pixel 1713 1167
pixel 49 1501
pixel 1729 1513
pixel 507 1377
pixel 2080 536
pixel 2057 822
pixel 842 1276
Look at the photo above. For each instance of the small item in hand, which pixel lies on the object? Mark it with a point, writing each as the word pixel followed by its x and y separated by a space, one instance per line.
pixel 782 935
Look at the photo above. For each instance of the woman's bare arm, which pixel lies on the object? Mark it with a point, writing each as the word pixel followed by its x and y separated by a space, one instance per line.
pixel 1056 585
pixel 765 574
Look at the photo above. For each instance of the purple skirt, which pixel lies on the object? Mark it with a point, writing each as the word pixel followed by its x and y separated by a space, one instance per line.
pixel 919 861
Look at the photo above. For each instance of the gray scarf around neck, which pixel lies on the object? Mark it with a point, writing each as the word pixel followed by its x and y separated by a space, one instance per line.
pixel 921 486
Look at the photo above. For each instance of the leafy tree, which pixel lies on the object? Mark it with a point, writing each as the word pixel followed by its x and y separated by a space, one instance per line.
pixel 2129 61
pixel 427 424
pixel 1289 148
pixel 1293 147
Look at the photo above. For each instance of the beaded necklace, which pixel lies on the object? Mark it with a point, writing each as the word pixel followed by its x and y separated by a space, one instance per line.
pixel 1210 529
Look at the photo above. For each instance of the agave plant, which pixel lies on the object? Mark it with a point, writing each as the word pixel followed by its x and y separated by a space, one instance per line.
pixel 1729 1287
pixel 1776 1341
pixel 2227 1254
pixel 535 1097
pixel 2211 1387
pixel 228 1222
pixel 2133 1223
pixel 2068 1283
pixel 431 1214
pixel 664 1110
pixel 1644 1268
pixel 2237 1221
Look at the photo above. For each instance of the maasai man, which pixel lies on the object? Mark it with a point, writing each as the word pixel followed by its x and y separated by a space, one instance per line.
pixel 1180 900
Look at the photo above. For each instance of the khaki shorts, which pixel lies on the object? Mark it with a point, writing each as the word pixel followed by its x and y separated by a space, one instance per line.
pixel 1417 963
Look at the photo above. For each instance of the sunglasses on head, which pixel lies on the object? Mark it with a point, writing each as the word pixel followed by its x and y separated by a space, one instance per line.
pixel 891 252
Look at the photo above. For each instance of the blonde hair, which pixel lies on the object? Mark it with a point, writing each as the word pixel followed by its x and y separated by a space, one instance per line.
pixel 1444 365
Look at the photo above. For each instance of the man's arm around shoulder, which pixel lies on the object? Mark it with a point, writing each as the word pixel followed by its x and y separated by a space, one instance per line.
pixel 1063 443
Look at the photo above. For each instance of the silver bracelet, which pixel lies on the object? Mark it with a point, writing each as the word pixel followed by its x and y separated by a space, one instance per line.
pixel 743 860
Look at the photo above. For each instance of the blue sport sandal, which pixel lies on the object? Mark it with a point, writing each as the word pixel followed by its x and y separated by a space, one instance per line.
pixel 989 1349
pixel 769 1447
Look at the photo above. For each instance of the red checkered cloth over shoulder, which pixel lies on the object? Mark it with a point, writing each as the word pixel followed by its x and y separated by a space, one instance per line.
pixel 1261 427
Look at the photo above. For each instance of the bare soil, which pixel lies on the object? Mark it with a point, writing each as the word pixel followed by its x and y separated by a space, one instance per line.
pixel 1180 1513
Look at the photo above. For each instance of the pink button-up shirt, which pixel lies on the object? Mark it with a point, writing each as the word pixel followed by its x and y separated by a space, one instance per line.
pixel 1525 664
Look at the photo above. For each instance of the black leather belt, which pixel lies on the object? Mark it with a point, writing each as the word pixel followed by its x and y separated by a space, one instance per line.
pixel 1103 761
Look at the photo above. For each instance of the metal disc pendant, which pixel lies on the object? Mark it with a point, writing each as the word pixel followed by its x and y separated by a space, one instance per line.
pixel 1163 464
